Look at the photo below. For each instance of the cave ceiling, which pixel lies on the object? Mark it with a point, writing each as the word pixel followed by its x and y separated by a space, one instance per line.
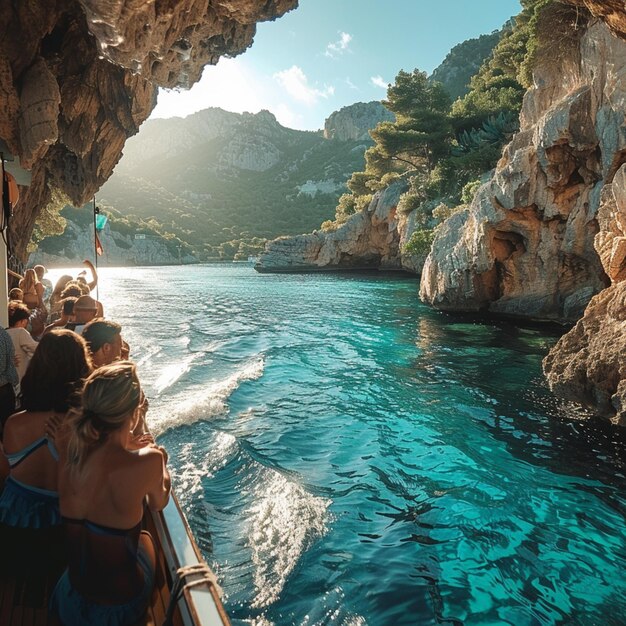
pixel 78 77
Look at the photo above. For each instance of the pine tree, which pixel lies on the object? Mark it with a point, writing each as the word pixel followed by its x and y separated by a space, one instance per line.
pixel 420 134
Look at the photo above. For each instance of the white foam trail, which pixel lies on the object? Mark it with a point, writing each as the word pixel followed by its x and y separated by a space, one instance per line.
pixel 191 472
pixel 259 621
pixel 210 402
pixel 147 356
pixel 171 373
pixel 285 520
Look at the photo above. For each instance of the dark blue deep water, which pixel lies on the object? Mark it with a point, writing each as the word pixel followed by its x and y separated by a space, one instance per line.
pixel 346 455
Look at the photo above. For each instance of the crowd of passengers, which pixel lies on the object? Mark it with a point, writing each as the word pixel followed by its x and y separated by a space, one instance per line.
pixel 77 466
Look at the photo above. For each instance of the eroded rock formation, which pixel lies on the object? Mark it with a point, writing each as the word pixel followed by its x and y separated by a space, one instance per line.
pixel 525 248
pixel 370 239
pixel 588 364
pixel 79 77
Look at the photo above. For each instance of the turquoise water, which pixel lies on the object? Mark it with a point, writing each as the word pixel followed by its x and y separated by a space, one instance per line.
pixel 346 455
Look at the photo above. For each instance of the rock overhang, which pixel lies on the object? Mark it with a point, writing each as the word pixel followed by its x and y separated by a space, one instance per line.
pixel 78 78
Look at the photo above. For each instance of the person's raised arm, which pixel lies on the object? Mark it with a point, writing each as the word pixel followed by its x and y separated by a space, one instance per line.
pixel 160 481
pixel 14 274
pixel 94 274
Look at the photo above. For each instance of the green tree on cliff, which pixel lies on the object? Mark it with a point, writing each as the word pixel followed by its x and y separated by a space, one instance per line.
pixel 438 148
pixel 414 143
pixel 419 136
pixel 502 80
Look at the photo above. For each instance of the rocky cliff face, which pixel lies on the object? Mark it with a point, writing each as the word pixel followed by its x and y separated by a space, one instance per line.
pixel 77 78
pixel 119 249
pixel 558 189
pixel 370 239
pixel 353 123
pixel 525 248
pixel 588 364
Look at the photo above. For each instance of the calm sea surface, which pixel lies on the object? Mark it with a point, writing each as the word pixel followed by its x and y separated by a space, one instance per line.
pixel 346 455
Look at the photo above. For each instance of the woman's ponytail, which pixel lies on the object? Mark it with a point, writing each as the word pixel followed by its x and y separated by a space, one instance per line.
pixel 111 393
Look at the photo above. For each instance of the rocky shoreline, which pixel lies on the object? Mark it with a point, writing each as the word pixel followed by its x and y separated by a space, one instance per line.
pixel 545 238
pixel 370 239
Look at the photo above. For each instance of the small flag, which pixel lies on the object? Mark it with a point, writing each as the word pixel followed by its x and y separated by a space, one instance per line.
pixel 99 248
pixel 101 221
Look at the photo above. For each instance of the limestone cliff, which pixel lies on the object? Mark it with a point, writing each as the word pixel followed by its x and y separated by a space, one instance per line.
pixel 353 123
pixel 119 249
pixel 525 248
pixel 79 77
pixel 588 364
pixel 370 239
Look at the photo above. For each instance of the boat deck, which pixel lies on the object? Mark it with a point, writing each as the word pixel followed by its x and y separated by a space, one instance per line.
pixel 24 599
pixel 24 595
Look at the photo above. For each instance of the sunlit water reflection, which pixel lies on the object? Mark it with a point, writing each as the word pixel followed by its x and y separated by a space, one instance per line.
pixel 348 456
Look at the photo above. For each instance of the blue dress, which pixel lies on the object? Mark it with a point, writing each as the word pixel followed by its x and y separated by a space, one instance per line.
pixel 26 506
pixel 87 542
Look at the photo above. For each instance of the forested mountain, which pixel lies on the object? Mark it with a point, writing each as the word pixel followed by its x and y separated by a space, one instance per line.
pixel 225 182
pixel 462 62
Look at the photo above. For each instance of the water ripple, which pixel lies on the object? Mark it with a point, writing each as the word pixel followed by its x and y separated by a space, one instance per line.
pixel 347 456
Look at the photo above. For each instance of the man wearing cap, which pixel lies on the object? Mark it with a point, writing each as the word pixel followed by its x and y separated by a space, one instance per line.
pixel 85 309
pixel 67 315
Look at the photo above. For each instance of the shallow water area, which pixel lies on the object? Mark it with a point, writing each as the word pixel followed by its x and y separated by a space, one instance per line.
pixel 346 455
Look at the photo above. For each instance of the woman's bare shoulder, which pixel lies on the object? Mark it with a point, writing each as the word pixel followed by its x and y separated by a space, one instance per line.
pixel 145 459
pixel 24 427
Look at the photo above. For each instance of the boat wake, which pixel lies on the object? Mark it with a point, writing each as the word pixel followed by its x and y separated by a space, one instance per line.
pixel 209 402
pixel 285 521
pixel 171 373
pixel 265 519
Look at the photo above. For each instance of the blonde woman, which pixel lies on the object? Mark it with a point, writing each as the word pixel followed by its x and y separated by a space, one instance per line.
pixel 56 371
pixel 105 476
pixel 33 299
pixel 32 290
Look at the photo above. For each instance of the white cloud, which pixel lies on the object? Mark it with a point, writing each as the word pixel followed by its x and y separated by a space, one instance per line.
pixel 287 117
pixel 234 85
pixel 339 46
pixel 229 85
pixel 296 84
pixel 379 82
pixel 351 84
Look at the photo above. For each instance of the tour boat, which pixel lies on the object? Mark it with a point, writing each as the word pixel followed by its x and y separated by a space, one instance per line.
pixel 185 590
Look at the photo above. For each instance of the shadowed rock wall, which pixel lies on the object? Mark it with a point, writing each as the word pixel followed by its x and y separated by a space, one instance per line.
pixel 549 230
pixel 525 247
pixel 369 239
pixel 78 78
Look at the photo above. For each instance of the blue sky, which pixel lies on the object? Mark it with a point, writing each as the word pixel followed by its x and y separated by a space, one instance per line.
pixel 330 53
